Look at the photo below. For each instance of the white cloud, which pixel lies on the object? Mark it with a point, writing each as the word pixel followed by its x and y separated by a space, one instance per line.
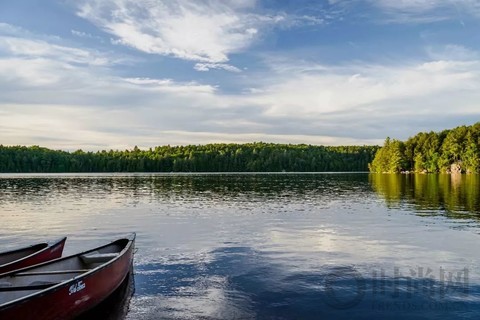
pixel 168 85
pixel 9 29
pixel 294 103
pixel 453 52
pixel 19 43
pixel 87 35
pixel 64 127
pixel 21 73
pixel 187 137
pixel 320 90
pixel 42 49
pixel 208 66
pixel 410 5
pixel 71 127
pixel 426 5
pixel 369 101
pixel 425 11
pixel 199 31
pixel 207 32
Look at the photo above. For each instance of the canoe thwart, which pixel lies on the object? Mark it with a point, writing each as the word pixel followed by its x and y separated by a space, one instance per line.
pixel 97 257
pixel 39 273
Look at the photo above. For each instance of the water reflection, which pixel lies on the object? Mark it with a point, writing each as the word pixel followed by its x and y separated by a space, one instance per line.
pixel 256 187
pixel 242 283
pixel 266 246
pixel 455 196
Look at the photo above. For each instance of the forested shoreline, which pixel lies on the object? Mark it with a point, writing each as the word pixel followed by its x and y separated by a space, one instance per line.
pixel 454 150
pixel 250 157
pixel 449 151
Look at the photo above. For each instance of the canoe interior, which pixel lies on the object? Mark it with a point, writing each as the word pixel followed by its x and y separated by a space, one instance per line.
pixel 15 285
pixel 14 255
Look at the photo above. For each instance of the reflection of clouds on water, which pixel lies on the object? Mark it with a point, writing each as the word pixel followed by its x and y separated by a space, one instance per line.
pixel 401 242
pixel 241 283
pixel 195 289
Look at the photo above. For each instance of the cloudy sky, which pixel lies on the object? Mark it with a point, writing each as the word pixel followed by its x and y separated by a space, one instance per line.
pixel 101 74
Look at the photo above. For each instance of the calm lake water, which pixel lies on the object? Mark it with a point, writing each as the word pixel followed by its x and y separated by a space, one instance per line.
pixel 267 246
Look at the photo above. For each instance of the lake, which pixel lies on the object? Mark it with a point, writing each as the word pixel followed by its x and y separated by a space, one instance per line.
pixel 267 246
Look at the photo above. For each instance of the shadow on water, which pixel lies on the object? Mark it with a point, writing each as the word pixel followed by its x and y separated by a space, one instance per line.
pixel 115 306
pixel 240 283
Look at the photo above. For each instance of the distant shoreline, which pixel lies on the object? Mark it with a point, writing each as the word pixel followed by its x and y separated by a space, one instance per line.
pixel 250 157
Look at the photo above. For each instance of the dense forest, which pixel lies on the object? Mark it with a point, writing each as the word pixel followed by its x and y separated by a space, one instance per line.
pixel 252 157
pixel 455 150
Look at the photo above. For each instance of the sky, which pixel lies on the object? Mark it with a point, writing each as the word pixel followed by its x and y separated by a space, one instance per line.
pixel 112 74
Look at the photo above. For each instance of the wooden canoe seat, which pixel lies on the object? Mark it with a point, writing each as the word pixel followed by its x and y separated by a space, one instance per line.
pixel 98 257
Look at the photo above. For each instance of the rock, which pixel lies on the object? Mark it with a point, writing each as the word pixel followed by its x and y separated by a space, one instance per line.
pixel 456 167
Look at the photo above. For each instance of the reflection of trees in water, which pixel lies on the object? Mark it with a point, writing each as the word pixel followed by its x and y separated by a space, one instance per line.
pixel 458 195
pixel 228 187
pixel 455 193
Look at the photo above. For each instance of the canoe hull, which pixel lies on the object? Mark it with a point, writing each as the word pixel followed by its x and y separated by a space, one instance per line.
pixel 73 297
pixel 52 251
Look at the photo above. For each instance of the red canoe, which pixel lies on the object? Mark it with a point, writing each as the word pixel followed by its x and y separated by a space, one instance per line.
pixel 66 287
pixel 29 256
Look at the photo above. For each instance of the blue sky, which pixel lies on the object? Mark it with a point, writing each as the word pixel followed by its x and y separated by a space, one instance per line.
pixel 101 74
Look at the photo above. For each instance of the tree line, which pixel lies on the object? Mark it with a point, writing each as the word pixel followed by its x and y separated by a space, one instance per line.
pixel 457 149
pixel 250 157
